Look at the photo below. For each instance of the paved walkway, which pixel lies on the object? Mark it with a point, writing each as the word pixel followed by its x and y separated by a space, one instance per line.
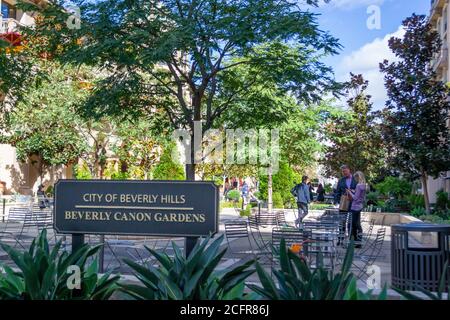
pixel 133 248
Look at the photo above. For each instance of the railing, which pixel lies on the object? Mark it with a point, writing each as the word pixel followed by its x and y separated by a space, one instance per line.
pixel 8 25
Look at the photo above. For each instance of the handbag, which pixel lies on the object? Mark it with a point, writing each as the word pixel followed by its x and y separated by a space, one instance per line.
pixel 344 204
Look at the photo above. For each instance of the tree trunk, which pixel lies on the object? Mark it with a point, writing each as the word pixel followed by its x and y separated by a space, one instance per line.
pixel 190 165
pixel 424 179
pixel 270 190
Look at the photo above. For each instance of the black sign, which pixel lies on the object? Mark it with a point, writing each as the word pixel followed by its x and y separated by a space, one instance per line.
pixel 150 208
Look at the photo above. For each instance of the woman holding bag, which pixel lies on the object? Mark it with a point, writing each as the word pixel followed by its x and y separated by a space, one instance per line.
pixel 358 197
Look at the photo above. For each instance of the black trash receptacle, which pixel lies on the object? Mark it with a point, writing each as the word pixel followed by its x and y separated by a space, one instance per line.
pixel 419 253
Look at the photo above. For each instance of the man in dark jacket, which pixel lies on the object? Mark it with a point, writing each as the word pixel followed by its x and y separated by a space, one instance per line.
pixel 346 182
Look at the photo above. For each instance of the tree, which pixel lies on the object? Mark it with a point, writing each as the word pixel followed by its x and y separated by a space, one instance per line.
pixel 353 136
pixel 43 126
pixel 179 54
pixel 15 77
pixel 414 120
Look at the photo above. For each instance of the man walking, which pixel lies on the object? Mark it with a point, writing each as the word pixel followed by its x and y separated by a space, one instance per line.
pixel 301 193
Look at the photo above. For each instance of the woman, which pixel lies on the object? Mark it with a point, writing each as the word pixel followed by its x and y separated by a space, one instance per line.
pixel 320 193
pixel 357 197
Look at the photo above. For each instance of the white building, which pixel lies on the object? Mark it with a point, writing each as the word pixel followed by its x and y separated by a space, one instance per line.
pixel 440 12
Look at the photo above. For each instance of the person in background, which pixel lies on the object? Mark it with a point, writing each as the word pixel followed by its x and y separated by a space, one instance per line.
pixel 245 194
pixel 346 183
pixel 42 198
pixel 358 197
pixel 302 195
pixel 226 187
pixel 311 191
pixel 235 184
pixel 320 193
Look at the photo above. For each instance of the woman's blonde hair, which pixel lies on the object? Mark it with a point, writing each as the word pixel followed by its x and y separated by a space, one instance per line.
pixel 360 178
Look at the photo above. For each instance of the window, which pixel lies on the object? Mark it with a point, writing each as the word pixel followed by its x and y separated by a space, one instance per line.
pixel 8 10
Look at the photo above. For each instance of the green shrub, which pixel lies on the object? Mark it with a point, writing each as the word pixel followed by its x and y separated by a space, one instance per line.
pixel 283 181
pixel 247 211
pixel 167 168
pixel 432 219
pixel 43 274
pixel 82 172
pixel 395 187
pixel 49 191
pixel 373 197
pixel 233 195
pixel 192 278
pixel 318 206
pixel 416 200
pixel 442 201
pixel 295 280
pixel 277 200
pixel 418 212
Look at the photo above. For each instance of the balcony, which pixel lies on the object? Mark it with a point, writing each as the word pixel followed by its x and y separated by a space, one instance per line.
pixel 440 62
pixel 9 31
pixel 436 9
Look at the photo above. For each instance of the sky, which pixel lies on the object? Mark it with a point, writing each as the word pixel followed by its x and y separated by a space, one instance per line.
pixel 363 47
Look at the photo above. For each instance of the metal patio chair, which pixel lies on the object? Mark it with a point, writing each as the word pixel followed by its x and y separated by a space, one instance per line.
pixel 18 221
pixel 292 237
pixel 366 258
pixel 237 229
pixel 322 243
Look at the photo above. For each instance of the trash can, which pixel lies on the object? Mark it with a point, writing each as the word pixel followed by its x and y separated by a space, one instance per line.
pixel 419 253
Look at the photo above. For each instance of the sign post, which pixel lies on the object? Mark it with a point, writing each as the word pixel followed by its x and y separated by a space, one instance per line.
pixel 77 241
pixel 136 208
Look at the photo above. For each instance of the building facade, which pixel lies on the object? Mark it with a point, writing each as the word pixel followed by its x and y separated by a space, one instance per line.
pixel 17 177
pixel 439 18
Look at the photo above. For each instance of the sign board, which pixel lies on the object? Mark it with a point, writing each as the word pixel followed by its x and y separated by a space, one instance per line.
pixel 143 208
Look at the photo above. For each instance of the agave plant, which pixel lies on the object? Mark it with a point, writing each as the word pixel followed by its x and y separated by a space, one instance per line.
pixel 43 273
pixel 443 289
pixel 191 278
pixel 296 281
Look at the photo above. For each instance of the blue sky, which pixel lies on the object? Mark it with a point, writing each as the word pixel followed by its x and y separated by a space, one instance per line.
pixel 364 48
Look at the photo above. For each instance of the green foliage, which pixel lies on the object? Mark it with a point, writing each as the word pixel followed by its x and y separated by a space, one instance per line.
pixel 373 197
pixel 318 206
pixel 442 201
pixel 246 212
pixel 414 122
pixel 139 147
pixel 353 135
pixel 82 172
pixel 283 181
pixel 168 168
pixel 431 218
pixel 295 280
pixel 43 274
pixel 45 124
pixel 233 195
pixel 192 278
pixel 277 200
pixel 418 212
pixel 280 49
pixel 395 187
pixel 416 200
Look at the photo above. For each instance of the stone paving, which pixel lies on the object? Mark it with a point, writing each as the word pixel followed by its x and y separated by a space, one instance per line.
pixel 117 248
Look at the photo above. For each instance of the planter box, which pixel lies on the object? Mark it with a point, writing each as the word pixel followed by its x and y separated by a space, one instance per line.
pixel 389 219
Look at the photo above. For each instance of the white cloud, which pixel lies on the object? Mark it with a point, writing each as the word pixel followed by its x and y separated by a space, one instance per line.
pixel 366 61
pixel 351 4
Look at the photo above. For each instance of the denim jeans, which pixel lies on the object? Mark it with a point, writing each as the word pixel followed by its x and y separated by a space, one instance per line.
pixel 302 210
